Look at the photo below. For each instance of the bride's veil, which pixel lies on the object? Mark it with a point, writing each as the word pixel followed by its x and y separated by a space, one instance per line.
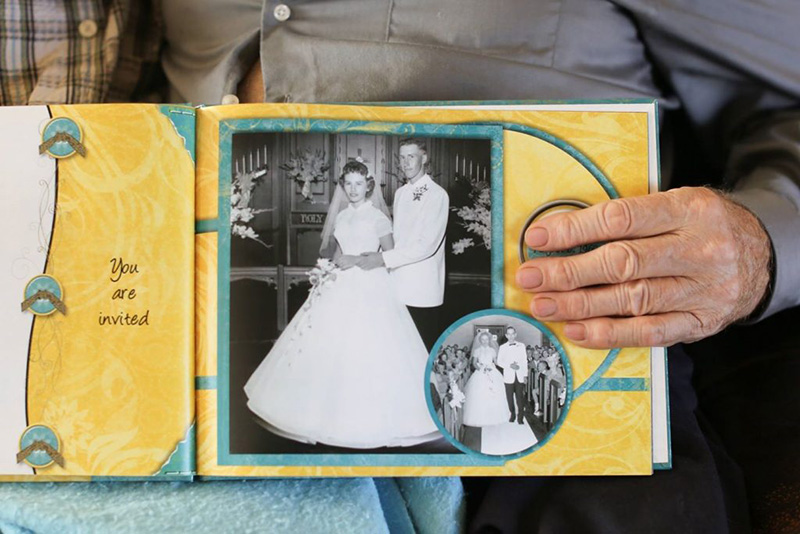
pixel 476 343
pixel 340 202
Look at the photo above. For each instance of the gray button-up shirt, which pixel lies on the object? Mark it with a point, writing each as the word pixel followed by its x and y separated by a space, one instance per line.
pixel 725 71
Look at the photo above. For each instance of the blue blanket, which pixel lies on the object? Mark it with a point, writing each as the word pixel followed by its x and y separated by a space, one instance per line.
pixel 425 505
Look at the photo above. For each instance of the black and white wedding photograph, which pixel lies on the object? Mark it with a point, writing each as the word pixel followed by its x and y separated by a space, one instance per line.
pixel 498 385
pixel 350 255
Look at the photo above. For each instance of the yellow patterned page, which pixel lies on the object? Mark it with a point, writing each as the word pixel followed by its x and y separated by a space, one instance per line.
pixel 114 375
pixel 604 432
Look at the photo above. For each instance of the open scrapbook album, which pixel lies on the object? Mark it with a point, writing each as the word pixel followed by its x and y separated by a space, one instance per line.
pixel 309 290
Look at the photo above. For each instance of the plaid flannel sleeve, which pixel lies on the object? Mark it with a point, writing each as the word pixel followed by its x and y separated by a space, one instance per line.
pixel 80 51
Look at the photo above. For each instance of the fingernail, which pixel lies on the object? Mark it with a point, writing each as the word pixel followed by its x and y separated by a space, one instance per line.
pixel 536 237
pixel 529 278
pixel 544 307
pixel 575 331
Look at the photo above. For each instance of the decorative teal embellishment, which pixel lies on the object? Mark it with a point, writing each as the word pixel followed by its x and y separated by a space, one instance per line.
pixel 183 120
pixel 61 138
pixel 182 459
pixel 205 226
pixel 621 384
pixel 598 373
pixel 44 295
pixel 39 447
pixel 205 382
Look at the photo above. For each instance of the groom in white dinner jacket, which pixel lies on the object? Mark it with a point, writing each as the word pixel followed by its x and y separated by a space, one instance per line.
pixel 416 263
pixel 513 358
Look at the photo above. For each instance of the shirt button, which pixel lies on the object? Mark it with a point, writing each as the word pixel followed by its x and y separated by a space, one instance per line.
pixel 282 12
pixel 228 100
pixel 87 28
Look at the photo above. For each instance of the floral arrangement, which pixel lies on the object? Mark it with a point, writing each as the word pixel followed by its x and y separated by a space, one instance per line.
pixel 306 168
pixel 242 213
pixel 476 217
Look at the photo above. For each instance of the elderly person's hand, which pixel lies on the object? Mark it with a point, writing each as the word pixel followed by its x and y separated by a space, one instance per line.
pixel 677 266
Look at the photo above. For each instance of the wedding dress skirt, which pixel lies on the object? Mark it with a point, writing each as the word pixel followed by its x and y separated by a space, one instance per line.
pixel 506 438
pixel 485 401
pixel 348 371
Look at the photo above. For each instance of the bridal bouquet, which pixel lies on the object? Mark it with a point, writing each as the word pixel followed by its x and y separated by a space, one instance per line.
pixel 322 275
pixel 457 396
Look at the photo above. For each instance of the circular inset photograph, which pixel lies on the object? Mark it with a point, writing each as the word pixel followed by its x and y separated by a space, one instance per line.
pixel 500 383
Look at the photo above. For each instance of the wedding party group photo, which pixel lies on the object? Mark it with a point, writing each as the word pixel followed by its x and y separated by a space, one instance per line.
pixel 350 254
pixel 498 385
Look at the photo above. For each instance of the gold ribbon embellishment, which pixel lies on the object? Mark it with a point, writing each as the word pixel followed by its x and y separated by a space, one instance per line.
pixel 47 295
pixel 76 145
pixel 41 446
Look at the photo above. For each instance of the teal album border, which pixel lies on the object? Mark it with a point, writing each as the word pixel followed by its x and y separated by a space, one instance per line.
pixel 493 131
pixel 227 129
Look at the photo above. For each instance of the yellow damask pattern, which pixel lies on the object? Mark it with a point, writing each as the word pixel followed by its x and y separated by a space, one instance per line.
pixel 120 397
pixel 206 303
pixel 605 433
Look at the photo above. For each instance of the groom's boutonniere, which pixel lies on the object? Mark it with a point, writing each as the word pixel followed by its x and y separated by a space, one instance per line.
pixel 419 191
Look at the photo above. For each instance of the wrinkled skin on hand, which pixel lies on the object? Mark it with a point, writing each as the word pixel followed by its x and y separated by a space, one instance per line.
pixel 676 266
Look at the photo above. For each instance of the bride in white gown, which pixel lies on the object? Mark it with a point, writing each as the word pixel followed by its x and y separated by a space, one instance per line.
pixel 486 406
pixel 485 403
pixel 349 369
